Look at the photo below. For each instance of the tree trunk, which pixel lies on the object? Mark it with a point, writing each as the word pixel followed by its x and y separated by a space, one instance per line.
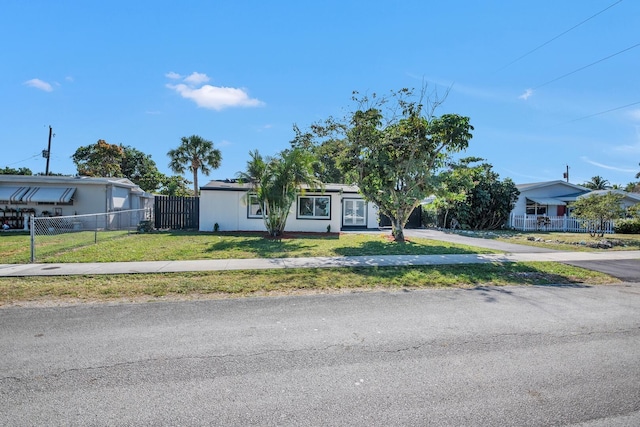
pixel 397 231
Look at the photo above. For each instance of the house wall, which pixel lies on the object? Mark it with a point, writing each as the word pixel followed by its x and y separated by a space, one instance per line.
pixel 228 208
pixel 549 191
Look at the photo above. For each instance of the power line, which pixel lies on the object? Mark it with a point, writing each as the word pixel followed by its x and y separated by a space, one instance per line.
pixel 587 66
pixel 20 161
pixel 559 35
pixel 602 112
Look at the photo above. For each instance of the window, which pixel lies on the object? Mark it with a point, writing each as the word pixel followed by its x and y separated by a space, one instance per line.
pixel 254 208
pixel 314 207
pixel 535 209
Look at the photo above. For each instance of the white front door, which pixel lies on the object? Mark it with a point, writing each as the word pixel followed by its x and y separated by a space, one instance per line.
pixel 354 213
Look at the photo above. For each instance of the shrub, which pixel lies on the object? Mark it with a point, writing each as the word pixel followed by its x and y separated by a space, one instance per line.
pixel 627 226
pixel 145 226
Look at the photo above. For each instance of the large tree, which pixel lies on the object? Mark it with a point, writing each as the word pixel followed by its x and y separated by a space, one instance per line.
pixel 395 146
pixel 141 169
pixel 195 154
pixel 483 201
pixel 276 181
pixel 100 159
pixel 110 160
pixel 330 150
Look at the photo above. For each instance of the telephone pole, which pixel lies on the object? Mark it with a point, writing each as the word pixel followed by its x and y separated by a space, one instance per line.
pixel 566 174
pixel 47 153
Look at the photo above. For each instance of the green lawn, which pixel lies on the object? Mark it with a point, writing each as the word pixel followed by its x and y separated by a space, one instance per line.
pixel 196 245
pixel 570 241
pixel 160 246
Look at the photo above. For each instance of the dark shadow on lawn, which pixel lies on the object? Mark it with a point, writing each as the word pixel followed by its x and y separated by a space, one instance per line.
pixel 393 248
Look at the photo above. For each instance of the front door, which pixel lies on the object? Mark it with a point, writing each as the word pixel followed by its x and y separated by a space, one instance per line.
pixel 354 213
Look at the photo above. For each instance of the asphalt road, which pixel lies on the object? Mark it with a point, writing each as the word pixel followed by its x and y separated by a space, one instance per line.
pixel 627 270
pixel 511 356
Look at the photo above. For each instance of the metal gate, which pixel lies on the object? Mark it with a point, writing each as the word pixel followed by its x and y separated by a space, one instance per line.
pixel 177 213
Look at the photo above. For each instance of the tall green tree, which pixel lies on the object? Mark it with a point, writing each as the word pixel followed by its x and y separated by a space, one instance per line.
pixel 100 159
pixel 487 201
pixel 141 169
pixel 330 151
pixel 195 154
pixel 276 181
pixel 394 148
pixel 597 183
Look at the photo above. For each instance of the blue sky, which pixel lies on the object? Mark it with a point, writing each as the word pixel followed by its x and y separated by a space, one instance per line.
pixel 241 73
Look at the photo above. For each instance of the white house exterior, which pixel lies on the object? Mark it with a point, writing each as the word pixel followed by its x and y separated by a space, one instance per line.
pixel 546 206
pixel 64 195
pixel 337 207
pixel 546 198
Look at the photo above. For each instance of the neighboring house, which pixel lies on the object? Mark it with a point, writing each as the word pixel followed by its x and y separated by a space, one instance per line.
pixel 546 198
pixel 547 206
pixel 630 199
pixel 338 207
pixel 64 195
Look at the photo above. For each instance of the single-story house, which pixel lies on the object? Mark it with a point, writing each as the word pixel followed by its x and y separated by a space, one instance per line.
pixel 547 206
pixel 42 195
pixel 546 198
pixel 629 199
pixel 338 207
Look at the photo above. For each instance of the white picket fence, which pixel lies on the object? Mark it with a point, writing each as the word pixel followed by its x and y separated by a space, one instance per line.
pixel 555 223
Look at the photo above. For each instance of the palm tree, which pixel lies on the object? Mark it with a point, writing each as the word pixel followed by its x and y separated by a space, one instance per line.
pixel 597 183
pixel 275 182
pixel 196 154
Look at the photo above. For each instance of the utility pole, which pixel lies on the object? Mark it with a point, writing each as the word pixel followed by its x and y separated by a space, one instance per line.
pixel 566 174
pixel 47 153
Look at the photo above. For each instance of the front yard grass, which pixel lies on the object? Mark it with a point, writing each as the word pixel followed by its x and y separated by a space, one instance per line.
pixel 571 241
pixel 161 246
pixel 223 284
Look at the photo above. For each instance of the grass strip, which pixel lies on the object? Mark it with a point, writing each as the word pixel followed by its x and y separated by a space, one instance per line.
pixel 224 284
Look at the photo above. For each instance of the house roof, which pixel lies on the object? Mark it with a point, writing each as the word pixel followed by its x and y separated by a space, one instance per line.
pixel 73 180
pixel 633 196
pixel 533 185
pixel 40 185
pixel 229 185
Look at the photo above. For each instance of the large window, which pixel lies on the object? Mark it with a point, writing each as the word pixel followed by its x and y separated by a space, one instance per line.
pixel 535 209
pixel 254 207
pixel 314 207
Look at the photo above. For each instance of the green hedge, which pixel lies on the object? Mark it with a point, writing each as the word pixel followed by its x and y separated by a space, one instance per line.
pixel 627 226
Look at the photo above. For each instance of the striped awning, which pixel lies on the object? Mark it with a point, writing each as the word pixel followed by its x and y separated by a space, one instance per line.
pixel 12 194
pixel 49 194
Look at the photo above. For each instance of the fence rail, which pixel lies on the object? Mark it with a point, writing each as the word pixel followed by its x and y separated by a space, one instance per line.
pixel 556 223
pixel 53 235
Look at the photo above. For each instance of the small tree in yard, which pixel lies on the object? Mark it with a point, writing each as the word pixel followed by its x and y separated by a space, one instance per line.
pixel 599 208
pixel 276 181
pixel 395 151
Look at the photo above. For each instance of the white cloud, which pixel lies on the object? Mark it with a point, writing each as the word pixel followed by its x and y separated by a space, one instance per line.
pixel 173 76
pixel 527 93
pixel 69 79
pixel 39 84
pixel 635 114
pixel 212 97
pixel 601 165
pixel 196 78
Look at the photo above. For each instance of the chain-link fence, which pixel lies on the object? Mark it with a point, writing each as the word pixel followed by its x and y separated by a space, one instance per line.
pixel 53 235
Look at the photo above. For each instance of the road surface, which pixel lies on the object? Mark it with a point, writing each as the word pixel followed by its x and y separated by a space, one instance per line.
pixel 509 356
